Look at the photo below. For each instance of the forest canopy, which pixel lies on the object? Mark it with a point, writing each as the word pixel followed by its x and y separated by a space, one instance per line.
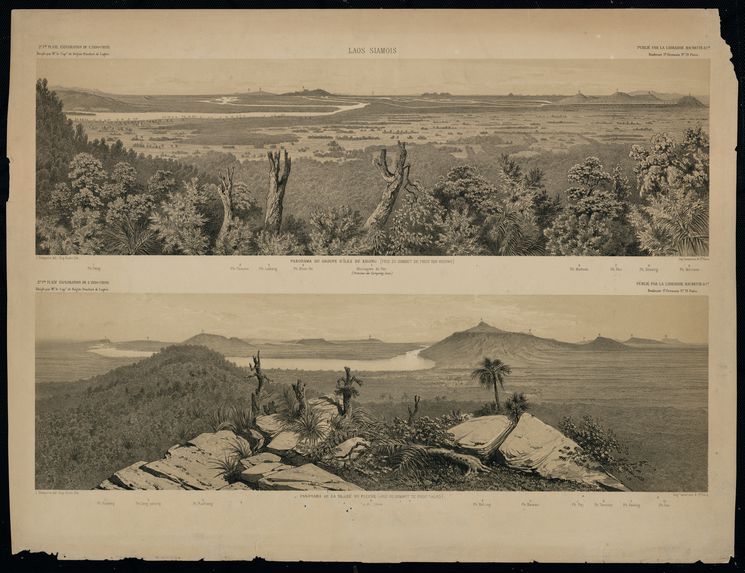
pixel 96 197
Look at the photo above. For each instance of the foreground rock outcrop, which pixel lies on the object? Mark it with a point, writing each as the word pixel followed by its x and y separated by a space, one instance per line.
pixel 530 446
pixel 199 463
pixel 283 441
pixel 277 458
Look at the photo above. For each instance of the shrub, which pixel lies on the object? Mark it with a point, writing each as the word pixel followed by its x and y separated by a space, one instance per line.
pixel 488 409
pixel 599 446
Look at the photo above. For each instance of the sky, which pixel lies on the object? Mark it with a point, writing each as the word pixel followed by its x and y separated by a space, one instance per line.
pixel 393 318
pixel 379 76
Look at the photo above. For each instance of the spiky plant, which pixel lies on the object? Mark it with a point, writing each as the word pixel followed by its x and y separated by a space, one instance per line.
pixel 516 406
pixel 241 448
pixel 230 468
pixel 238 419
pixel 219 418
pixel 127 238
pixel 309 425
pixel 241 420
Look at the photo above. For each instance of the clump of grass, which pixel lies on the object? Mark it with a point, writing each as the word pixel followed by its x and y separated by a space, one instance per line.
pixel 239 420
pixel 241 448
pixel 230 468
pixel 310 426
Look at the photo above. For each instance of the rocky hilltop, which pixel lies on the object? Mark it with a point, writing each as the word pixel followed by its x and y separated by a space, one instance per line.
pixel 274 457
pixel 467 348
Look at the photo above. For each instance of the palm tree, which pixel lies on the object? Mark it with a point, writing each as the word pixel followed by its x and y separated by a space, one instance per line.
pixel 125 237
pixel 516 405
pixel 491 374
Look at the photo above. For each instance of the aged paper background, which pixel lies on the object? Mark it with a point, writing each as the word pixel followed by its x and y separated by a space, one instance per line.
pixel 428 526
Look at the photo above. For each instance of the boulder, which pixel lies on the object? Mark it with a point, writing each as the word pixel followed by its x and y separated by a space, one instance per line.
pixel 134 477
pixel 253 474
pixel 220 445
pixel 270 424
pixel 190 467
pixel 260 459
pixel 350 449
pixel 283 442
pixel 482 436
pixel 236 485
pixel 108 485
pixel 326 409
pixel 303 478
pixel 257 439
pixel 534 446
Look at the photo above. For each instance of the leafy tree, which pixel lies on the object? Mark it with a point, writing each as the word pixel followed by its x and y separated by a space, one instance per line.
pixel 180 222
pixel 336 231
pixel 491 374
pixel 415 226
pixel 87 177
pixel 56 144
pixel 464 189
pixel 161 185
pixel 283 243
pixel 673 180
pixel 459 236
pixel 594 220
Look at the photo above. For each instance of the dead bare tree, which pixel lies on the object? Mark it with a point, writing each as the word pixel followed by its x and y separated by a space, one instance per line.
pixel 299 389
pixel 396 181
pixel 413 412
pixel 345 388
pixel 261 379
pixel 226 189
pixel 276 195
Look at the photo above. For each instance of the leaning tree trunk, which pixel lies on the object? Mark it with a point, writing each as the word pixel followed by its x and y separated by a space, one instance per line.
pixel 276 195
pixel 395 181
pixel 471 463
pixel 496 397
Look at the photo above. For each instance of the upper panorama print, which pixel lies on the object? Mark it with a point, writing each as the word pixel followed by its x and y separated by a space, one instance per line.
pixel 375 157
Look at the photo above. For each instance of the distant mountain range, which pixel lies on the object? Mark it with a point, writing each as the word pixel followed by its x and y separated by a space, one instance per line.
pixel 635 98
pixel 467 348
pixel 361 349
pixel 83 100
pixel 461 349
